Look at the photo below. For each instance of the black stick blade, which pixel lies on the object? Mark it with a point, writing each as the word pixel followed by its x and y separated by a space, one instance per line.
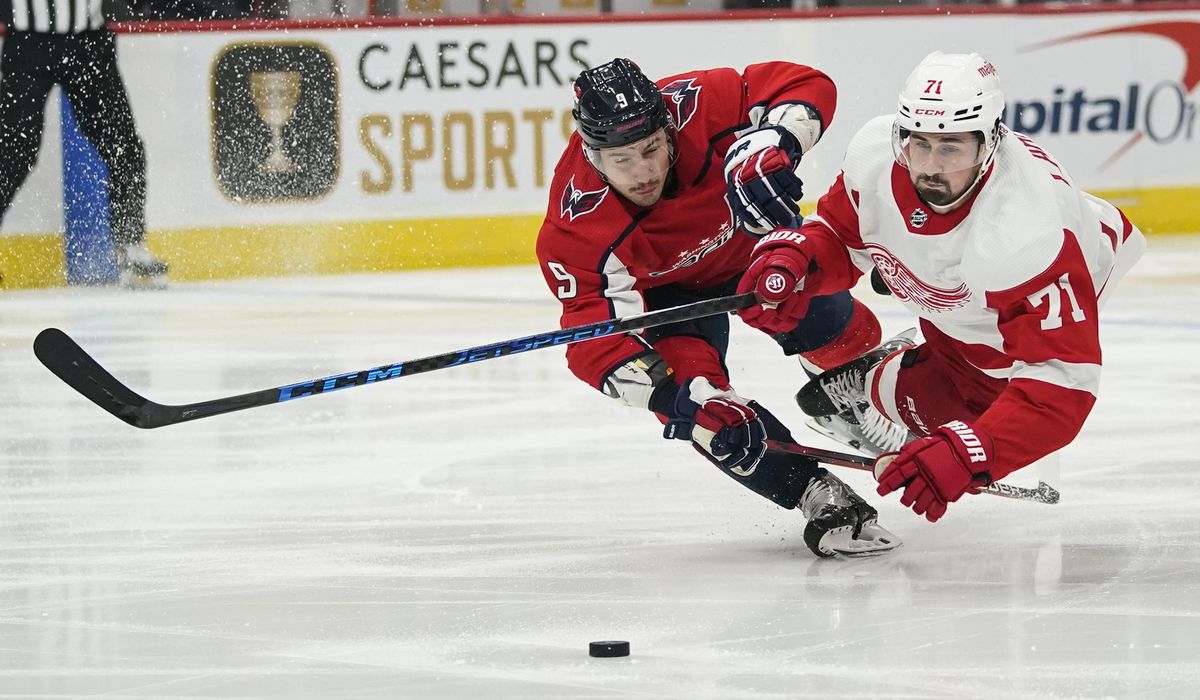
pixel 70 363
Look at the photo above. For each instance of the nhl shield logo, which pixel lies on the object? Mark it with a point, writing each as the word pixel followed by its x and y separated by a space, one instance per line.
pixel 575 202
pixel 918 218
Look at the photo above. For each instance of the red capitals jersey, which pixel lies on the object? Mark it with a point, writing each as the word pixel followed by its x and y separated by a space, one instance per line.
pixel 599 252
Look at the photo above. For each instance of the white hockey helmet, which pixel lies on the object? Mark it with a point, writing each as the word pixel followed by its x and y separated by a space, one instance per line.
pixel 951 93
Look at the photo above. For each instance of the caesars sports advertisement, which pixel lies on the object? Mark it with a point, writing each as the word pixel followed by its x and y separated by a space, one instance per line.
pixel 395 126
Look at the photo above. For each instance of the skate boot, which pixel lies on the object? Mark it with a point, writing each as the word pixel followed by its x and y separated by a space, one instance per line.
pixel 840 522
pixel 838 403
pixel 140 268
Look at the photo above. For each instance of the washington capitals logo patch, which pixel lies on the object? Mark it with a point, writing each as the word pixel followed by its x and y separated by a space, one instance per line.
pixel 576 202
pixel 683 96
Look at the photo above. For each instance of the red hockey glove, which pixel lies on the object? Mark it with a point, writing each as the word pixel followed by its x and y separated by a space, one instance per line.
pixel 937 470
pixel 720 423
pixel 760 179
pixel 777 272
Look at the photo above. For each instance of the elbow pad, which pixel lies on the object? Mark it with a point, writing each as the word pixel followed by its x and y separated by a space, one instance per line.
pixel 634 382
pixel 801 121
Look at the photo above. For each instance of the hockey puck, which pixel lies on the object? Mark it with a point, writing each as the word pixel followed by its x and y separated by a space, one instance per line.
pixel 608 649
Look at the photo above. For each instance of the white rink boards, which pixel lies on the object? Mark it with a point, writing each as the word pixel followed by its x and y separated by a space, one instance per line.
pixel 466 533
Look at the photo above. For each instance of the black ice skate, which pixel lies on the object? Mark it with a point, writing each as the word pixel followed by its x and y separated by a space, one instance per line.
pixel 841 522
pixel 140 268
pixel 840 410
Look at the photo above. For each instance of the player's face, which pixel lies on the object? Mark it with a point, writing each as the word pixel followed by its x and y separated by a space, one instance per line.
pixel 942 166
pixel 639 170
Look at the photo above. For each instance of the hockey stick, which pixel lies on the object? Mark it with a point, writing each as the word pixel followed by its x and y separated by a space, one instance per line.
pixel 73 365
pixel 1044 493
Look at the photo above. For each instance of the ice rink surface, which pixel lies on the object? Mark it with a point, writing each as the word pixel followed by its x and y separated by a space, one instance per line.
pixel 465 533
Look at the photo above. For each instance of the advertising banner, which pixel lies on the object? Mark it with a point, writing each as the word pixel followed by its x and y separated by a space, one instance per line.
pixel 441 140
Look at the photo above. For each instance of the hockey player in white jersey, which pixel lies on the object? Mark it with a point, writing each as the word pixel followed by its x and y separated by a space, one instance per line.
pixel 984 236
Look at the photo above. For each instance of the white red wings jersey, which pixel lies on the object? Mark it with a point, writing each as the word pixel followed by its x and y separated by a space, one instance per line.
pixel 598 252
pixel 1011 281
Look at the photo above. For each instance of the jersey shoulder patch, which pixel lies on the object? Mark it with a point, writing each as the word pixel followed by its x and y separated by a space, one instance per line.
pixel 683 99
pixel 576 202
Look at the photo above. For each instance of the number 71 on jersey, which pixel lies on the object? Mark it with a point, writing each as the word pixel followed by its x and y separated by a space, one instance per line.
pixel 1052 295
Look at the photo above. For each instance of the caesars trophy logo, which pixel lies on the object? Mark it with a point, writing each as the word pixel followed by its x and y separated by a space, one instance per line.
pixel 275 121
pixel 275 94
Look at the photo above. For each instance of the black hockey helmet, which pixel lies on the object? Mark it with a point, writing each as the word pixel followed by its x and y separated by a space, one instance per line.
pixel 616 104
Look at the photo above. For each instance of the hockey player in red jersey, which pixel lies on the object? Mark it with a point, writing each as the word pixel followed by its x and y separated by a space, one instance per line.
pixel 983 235
pixel 642 217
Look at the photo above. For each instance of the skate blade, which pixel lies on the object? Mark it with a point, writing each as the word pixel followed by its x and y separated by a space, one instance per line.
pixel 872 541
pixel 839 438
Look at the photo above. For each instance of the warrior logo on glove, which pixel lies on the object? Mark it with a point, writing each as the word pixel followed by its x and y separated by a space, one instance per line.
pixel 776 283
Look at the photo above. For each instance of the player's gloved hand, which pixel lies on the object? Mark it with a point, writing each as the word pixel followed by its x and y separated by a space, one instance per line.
pixel 937 470
pixel 760 179
pixel 778 268
pixel 720 423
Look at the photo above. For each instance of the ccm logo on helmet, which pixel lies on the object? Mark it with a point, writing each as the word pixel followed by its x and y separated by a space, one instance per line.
pixel 930 112
pixel 969 440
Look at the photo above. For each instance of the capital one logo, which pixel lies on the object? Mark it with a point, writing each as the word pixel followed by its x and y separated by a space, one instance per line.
pixel 1160 109
pixel 275 121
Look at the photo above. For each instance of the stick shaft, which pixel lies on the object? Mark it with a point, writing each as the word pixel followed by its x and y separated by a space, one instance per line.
pixel 1044 493
pixel 67 360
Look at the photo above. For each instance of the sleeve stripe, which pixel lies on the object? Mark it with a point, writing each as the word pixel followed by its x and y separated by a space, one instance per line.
pixel 883 380
pixel 618 288
pixel 610 264
pixel 1069 375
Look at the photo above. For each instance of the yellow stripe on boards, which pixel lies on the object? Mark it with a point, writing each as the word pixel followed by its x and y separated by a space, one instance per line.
pixel 307 249
pixel 1159 210
pixel 377 246
pixel 299 249
pixel 29 262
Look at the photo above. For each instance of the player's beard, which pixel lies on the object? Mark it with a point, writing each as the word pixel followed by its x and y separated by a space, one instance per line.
pixel 935 190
